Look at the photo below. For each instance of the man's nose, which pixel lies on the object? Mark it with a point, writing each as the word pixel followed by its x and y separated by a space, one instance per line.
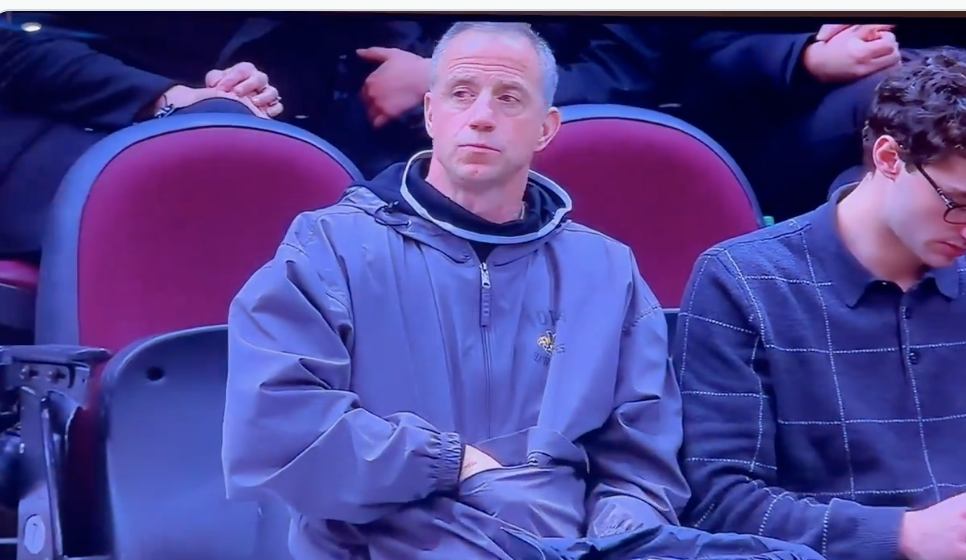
pixel 481 113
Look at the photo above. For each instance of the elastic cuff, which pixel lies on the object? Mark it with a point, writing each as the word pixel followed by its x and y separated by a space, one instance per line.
pixel 868 532
pixel 450 461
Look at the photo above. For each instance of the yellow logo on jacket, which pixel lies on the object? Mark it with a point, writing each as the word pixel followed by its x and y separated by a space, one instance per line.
pixel 548 343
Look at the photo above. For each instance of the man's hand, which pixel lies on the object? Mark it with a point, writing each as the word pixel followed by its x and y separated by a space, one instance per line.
pixel 935 533
pixel 830 30
pixel 475 461
pixel 183 96
pixel 845 53
pixel 397 86
pixel 246 82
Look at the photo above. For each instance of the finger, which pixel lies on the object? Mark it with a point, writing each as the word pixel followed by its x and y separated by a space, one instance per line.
pixel 372 114
pixel 883 62
pixel 236 75
pixel 247 102
pixel 274 110
pixel 255 110
pixel 872 32
pixel 253 83
pixel 212 77
pixel 381 120
pixel 265 97
pixel 229 80
pixel 375 54
pixel 871 50
pixel 830 30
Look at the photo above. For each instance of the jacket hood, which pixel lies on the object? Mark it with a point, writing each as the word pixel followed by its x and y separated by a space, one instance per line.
pixel 549 201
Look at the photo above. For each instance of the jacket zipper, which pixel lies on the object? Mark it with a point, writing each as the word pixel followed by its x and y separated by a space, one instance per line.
pixel 485 331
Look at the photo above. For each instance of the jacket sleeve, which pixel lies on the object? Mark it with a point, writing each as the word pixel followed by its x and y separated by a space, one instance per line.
pixel 293 427
pixel 763 63
pixel 614 67
pixel 730 432
pixel 634 456
pixel 64 78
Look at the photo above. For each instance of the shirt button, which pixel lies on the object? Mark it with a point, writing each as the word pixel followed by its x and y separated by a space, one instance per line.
pixel 913 357
pixel 907 313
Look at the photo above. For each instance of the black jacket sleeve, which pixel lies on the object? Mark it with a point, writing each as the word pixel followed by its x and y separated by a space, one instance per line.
pixel 66 79
pixel 616 65
pixel 757 63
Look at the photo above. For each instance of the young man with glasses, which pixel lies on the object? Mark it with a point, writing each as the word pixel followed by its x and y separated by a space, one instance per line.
pixel 822 361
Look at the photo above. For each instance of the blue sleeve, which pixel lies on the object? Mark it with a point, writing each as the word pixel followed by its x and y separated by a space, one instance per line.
pixel 742 62
pixel 614 66
pixel 293 427
pixel 64 78
pixel 634 457
pixel 730 432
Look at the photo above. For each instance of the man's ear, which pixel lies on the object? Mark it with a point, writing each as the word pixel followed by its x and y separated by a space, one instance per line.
pixel 886 157
pixel 549 128
pixel 428 113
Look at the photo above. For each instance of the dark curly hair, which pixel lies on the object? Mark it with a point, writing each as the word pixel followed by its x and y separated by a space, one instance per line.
pixel 922 104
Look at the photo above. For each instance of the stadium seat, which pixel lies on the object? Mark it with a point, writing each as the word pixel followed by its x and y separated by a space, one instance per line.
pixel 152 232
pixel 165 487
pixel 653 182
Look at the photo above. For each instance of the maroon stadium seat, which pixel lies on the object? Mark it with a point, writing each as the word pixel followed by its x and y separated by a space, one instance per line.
pixel 653 182
pixel 153 231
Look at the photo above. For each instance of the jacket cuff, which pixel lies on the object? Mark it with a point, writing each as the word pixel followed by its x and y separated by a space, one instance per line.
pixel 869 532
pixel 450 462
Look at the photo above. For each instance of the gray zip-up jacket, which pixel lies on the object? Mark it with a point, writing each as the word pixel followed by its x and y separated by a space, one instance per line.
pixel 375 345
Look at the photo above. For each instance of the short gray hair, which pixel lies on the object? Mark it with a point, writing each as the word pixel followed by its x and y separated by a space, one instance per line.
pixel 548 64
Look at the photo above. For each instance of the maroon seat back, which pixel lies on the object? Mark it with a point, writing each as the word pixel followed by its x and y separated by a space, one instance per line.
pixel 158 226
pixel 653 182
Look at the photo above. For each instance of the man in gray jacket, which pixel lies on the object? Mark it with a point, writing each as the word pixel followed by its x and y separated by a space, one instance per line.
pixel 442 358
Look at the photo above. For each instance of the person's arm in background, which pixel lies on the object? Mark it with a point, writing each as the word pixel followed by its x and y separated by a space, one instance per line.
pixel 634 456
pixel 615 63
pixel 730 432
pixel 609 63
pixel 47 74
pixel 792 65
pixel 293 428
pixel 767 63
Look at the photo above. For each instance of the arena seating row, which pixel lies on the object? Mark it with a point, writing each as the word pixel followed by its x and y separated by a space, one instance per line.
pixel 154 231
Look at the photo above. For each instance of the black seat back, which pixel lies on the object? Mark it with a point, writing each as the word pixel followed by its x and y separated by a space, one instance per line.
pixel 163 403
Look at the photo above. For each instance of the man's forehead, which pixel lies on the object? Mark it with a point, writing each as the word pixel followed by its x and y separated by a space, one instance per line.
pixel 476 39
pixel 499 47
pixel 506 57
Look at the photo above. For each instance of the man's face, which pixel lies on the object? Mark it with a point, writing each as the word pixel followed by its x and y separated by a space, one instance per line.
pixel 914 209
pixel 486 113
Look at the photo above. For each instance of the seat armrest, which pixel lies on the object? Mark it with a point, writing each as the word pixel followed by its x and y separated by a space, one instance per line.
pixel 63 368
pixel 51 382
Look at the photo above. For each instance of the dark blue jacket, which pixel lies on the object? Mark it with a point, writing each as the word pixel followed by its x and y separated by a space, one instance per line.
pixel 81 77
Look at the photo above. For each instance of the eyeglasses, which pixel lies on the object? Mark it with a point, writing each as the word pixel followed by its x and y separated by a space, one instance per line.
pixel 955 213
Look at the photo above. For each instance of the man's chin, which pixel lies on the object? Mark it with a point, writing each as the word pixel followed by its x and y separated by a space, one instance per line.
pixel 477 172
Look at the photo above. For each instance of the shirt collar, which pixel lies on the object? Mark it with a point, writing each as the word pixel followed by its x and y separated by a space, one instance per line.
pixel 849 278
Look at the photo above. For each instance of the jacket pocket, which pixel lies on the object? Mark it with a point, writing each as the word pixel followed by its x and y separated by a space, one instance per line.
pixel 543 495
